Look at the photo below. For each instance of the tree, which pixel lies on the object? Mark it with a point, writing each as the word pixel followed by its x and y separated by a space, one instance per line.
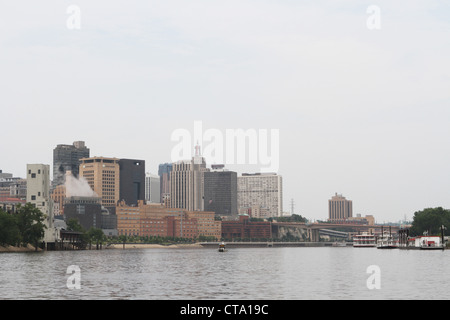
pixel 96 235
pixel 9 230
pixel 30 222
pixel 431 220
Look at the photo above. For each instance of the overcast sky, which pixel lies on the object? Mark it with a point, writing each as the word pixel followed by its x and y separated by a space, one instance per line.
pixel 360 111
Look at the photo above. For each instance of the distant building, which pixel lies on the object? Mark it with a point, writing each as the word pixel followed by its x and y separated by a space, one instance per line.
pixel 152 188
pixel 244 228
pixel 339 208
pixel 164 171
pixel 157 220
pixel 89 213
pixel 186 183
pixel 38 193
pixel 263 190
pixel 103 176
pixel 132 180
pixel 220 192
pixel 58 194
pixel 67 157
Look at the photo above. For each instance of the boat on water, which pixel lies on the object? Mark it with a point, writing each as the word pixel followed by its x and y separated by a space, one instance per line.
pixel 222 247
pixel 364 240
pixel 386 240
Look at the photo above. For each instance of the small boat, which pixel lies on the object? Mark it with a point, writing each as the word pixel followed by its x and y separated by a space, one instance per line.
pixel 222 247
pixel 339 244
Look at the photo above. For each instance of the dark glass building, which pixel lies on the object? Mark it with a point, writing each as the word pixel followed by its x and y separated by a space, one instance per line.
pixel 67 157
pixel 132 180
pixel 220 192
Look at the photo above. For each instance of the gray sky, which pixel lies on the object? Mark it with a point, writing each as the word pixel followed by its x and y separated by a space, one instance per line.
pixel 360 112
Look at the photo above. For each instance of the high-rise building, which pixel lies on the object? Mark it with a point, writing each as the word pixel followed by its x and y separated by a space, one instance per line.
pixel 67 157
pixel 339 208
pixel 152 188
pixel 220 191
pixel 132 180
pixel 103 176
pixel 38 194
pixel 186 183
pixel 263 190
pixel 164 171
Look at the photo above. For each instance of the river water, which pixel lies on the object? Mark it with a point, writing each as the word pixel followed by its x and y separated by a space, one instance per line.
pixel 329 273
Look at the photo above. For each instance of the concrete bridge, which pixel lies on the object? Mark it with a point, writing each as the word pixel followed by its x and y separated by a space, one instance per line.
pixel 311 231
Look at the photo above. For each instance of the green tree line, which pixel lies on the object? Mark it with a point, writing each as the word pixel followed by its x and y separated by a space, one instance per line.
pixel 430 220
pixel 25 226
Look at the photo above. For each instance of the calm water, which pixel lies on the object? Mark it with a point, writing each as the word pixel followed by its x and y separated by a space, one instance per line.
pixel 244 273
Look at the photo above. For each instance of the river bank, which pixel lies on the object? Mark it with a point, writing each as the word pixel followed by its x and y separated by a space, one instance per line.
pixel 28 248
pixel 152 246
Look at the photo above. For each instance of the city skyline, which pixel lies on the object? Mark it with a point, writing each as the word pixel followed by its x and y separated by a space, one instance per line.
pixel 360 112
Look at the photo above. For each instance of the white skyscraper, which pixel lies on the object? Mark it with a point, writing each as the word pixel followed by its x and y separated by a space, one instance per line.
pixel 261 190
pixel 38 193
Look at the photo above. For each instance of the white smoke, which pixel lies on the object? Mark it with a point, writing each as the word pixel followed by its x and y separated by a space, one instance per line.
pixel 78 187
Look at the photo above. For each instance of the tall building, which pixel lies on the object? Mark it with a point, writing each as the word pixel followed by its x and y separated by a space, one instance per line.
pixel 103 176
pixel 67 157
pixel 220 191
pixel 263 190
pixel 152 188
pixel 132 181
pixel 164 171
pixel 38 194
pixel 186 183
pixel 339 208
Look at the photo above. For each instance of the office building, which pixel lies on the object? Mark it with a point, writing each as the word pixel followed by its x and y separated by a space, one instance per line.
pixel 220 191
pixel 164 171
pixel 186 183
pixel 67 157
pixel 132 180
pixel 152 188
pixel 263 191
pixel 339 208
pixel 103 176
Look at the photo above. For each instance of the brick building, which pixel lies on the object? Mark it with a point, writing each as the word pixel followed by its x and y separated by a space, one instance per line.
pixel 244 228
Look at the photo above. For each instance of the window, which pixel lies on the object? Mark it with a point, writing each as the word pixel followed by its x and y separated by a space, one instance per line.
pixel 33 175
pixel 33 197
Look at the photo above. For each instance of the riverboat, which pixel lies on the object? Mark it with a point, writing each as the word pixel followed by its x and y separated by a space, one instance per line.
pixel 386 241
pixel 364 240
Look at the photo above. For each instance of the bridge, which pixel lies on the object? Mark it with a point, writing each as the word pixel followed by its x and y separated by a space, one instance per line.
pixel 312 231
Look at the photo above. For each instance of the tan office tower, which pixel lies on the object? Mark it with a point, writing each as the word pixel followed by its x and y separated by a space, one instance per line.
pixel 103 176
pixel 261 190
pixel 339 208
pixel 186 183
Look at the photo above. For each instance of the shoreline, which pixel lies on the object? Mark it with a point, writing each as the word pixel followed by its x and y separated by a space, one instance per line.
pixel 28 248
pixel 151 246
